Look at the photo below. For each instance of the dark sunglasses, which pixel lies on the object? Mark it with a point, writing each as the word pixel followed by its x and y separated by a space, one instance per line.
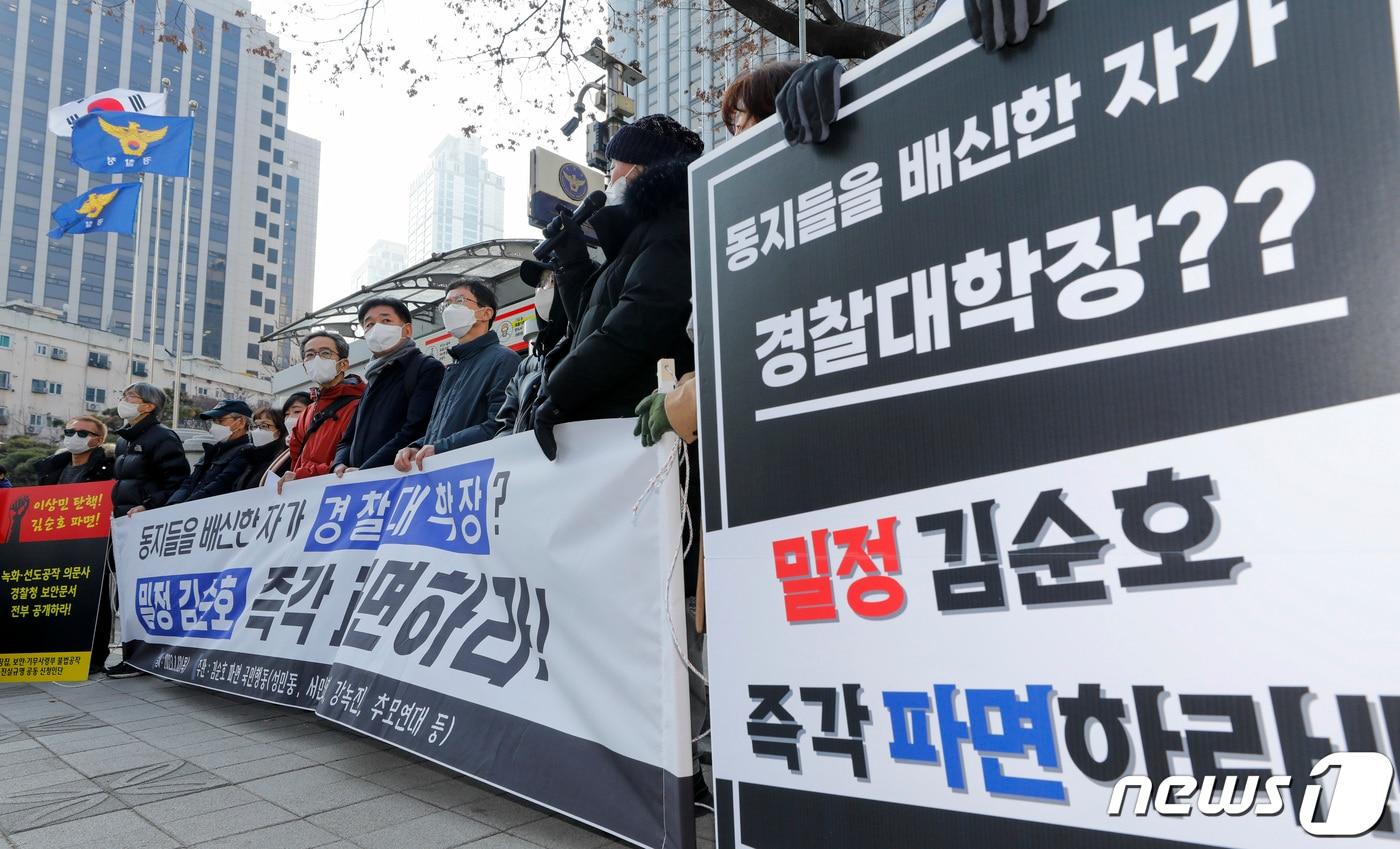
pixel 85 434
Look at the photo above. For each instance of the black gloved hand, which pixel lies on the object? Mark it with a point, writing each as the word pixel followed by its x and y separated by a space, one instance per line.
pixel 572 247
pixel 997 23
pixel 546 417
pixel 808 102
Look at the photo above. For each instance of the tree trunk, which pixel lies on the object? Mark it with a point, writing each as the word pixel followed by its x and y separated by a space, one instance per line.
pixel 843 40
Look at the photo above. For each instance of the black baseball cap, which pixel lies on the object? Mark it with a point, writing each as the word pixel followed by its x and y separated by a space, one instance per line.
pixel 226 407
pixel 531 271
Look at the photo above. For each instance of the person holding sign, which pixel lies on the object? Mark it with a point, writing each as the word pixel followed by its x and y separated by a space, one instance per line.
pixel 318 427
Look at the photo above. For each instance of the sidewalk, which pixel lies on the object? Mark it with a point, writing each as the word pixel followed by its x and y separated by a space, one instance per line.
pixel 147 764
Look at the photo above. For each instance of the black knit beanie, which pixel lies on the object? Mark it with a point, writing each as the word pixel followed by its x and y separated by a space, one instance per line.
pixel 653 139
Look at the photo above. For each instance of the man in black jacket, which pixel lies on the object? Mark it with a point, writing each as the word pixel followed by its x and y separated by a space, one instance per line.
pixel 82 459
pixel 403 385
pixel 225 457
pixel 150 466
pixel 151 462
pixel 517 413
pixel 474 385
pixel 637 303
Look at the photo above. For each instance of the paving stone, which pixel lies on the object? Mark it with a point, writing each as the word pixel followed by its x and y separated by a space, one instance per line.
pixel 60 803
pixel 239 754
pixel 405 777
pixel 371 815
pixel 500 841
pixel 449 792
pixel 115 830
pixel 260 768
pixel 370 764
pixel 231 821
pixel 500 812
pixel 438 830
pixel 116 758
pixel 297 834
pixel 556 833
pixel 311 791
pixel 160 781
pixel 202 802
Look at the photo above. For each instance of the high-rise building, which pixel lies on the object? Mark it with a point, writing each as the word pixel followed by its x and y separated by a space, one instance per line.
pixel 689 53
pixel 251 190
pixel 456 201
pixel 385 259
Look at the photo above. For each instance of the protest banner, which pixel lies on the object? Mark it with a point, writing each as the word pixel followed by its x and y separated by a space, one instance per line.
pixel 476 608
pixel 1073 371
pixel 53 549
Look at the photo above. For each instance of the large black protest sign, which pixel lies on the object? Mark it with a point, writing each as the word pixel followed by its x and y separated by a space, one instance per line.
pixel 1048 436
pixel 1160 219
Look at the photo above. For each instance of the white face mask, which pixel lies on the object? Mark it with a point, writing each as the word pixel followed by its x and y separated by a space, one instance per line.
pixel 262 436
pixel 383 337
pixel 458 319
pixel 544 301
pixel 290 422
pixel 75 444
pixel 127 410
pixel 219 432
pixel 617 188
pixel 323 371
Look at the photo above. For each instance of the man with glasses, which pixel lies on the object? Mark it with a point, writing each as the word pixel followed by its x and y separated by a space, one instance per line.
pixel 82 459
pixel 335 395
pixel 225 456
pixel 474 385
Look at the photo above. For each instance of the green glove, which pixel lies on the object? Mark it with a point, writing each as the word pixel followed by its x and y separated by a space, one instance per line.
pixel 652 423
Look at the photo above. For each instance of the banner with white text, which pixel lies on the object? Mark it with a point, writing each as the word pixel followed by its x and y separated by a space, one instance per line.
pixel 494 602
pixel 1048 439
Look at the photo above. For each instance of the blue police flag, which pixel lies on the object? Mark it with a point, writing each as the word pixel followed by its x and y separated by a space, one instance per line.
pixel 100 209
pixel 129 142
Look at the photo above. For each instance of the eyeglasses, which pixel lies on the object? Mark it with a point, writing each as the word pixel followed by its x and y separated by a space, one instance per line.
pixel 325 355
pixel 459 301
pixel 264 424
pixel 85 434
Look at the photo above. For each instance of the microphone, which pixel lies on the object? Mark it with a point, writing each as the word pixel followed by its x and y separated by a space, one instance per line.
pixel 591 204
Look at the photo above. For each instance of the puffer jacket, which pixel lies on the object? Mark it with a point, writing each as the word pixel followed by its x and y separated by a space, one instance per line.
pixel 314 454
pixel 637 304
pixel 517 412
pixel 219 472
pixel 150 466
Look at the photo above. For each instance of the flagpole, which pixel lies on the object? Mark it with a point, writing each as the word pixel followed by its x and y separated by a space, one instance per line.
pixel 155 259
pixel 180 284
pixel 134 313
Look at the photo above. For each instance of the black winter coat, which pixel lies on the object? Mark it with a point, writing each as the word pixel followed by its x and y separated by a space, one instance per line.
pixel 637 305
pixel 97 468
pixel 150 466
pixel 219 472
pixel 517 412
pixel 392 413
pixel 259 461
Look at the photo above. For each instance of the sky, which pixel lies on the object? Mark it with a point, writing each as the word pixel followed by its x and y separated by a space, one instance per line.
pixel 375 139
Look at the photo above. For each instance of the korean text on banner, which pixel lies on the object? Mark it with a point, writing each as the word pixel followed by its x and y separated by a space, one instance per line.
pixel 53 551
pixel 1080 366
pixel 473 608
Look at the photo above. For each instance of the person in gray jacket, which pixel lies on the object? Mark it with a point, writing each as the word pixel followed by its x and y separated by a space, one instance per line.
pixel 474 385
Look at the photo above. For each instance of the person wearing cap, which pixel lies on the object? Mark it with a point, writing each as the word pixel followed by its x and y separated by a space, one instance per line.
pixel 638 301
pixel 517 413
pixel 225 456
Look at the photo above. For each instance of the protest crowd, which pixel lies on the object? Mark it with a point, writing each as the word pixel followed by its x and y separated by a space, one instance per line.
pixel 605 319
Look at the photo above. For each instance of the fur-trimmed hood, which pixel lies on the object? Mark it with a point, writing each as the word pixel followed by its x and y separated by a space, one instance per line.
pixel 657 189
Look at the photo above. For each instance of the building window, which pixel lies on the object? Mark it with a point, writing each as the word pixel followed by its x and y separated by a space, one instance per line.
pixel 40 349
pixel 264 169
pixel 37 420
pixel 255 298
pixel 138 368
pixel 266 118
pixel 268 93
pixel 269 68
pixel 262 195
pixel 264 143
pixel 4 341
pixel 95 396
pixel 277 157
pixel 252 351
pixel 45 387
pixel 270 307
pixel 260 246
pixel 4 380
pixel 272 255
pixel 257 271
pixel 279 132
pixel 281 83
pixel 277 181
pixel 276 205
pixel 267 358
pixel 260 219
pixel 272 281
pixel 96 360
pixel 254 325
pixel 274 231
